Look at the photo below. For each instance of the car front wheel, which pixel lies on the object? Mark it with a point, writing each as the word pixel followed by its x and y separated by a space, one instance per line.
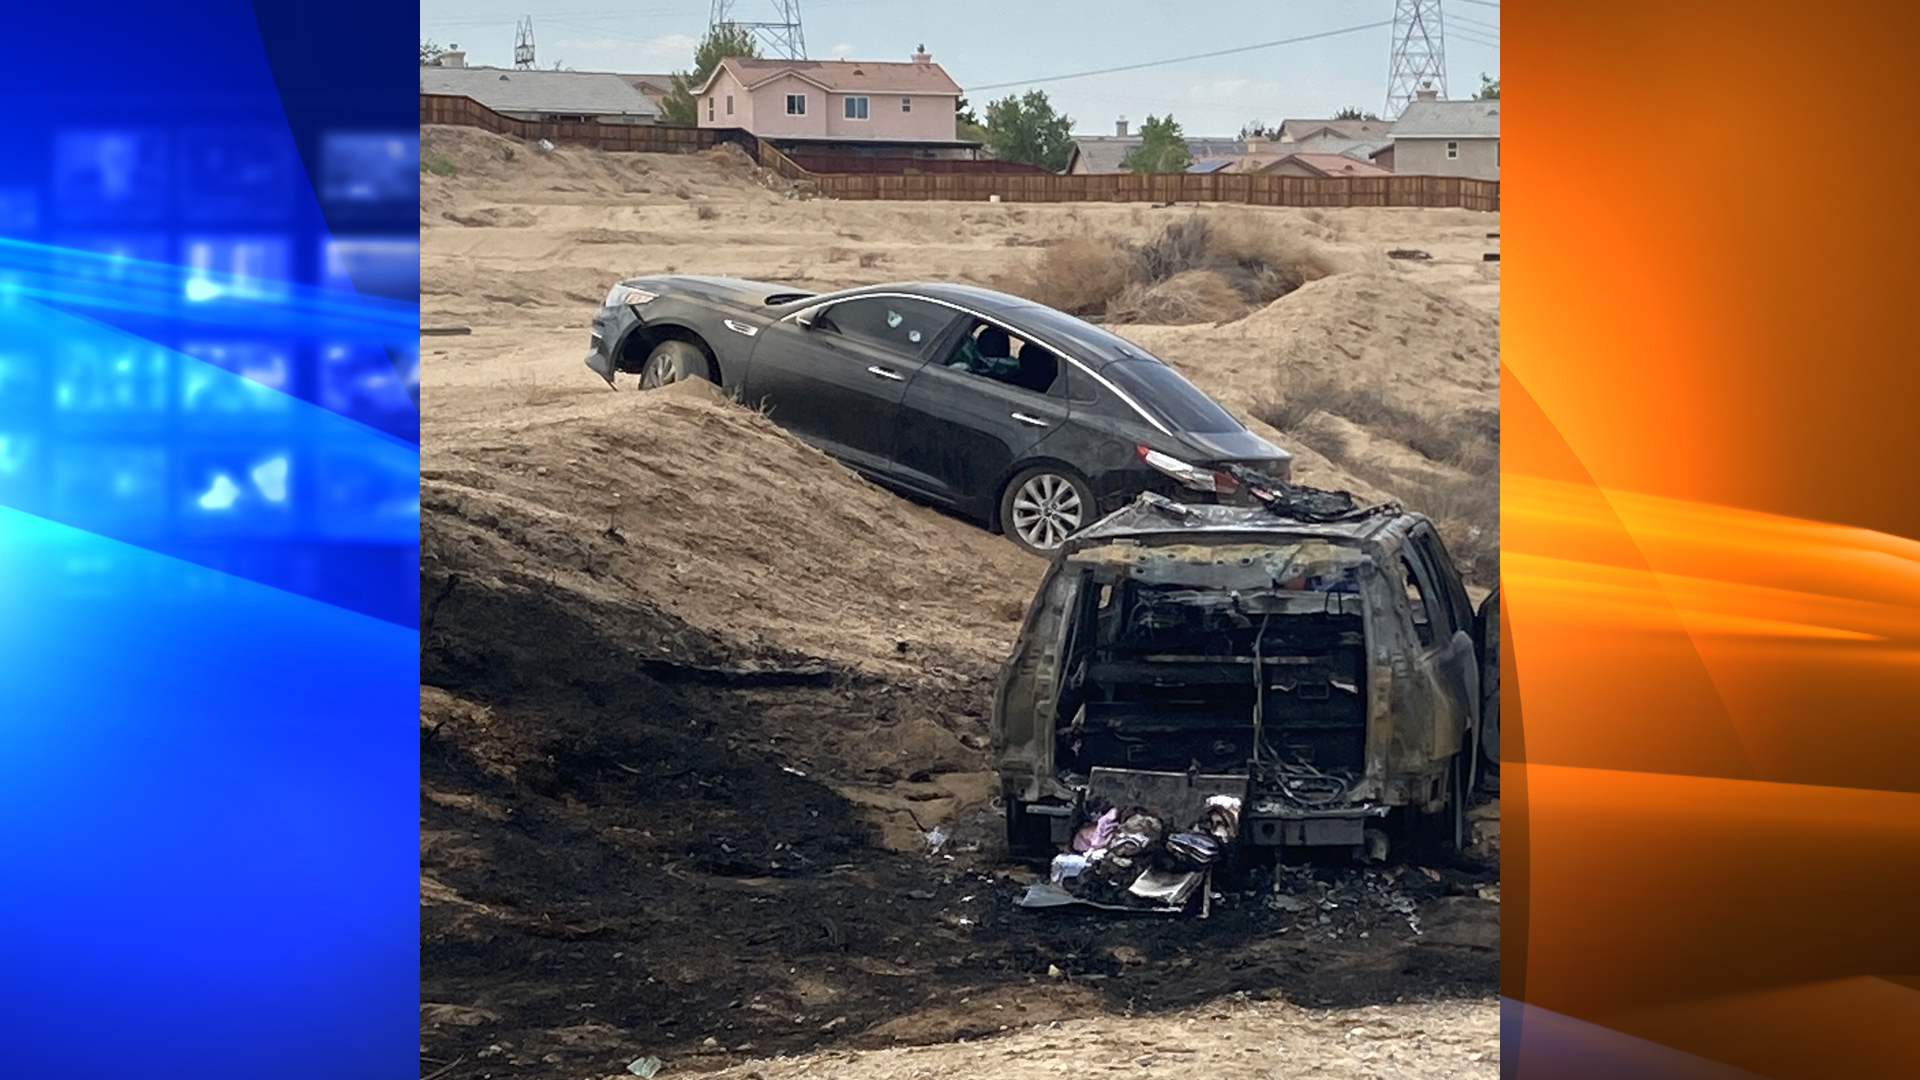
pixel 1044 505
pixel 670 362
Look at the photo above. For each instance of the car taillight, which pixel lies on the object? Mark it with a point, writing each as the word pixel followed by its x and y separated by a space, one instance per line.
pixel 1195 477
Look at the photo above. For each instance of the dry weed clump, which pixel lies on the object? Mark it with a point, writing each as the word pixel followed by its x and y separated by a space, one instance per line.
pixel 1191 296
pixel 1078 275
pixel 1463 501
pixel 726 154
pixel 1182 275
pixel 1467 440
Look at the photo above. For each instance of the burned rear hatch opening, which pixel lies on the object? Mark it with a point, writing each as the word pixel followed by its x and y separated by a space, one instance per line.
pixel 1209 658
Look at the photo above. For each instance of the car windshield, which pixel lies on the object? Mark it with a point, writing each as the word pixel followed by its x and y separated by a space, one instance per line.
pixel 1162 391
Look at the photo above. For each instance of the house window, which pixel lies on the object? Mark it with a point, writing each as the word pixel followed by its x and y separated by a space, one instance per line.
pixel 729 104
pixel 856 108
pixel 1453 151
pixel 709 108
pixel 906 104
pixel 796 104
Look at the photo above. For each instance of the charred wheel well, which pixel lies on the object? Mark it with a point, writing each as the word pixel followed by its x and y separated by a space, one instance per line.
pixel 643 340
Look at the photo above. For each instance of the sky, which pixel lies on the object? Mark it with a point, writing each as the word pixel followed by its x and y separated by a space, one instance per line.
pixel 985 43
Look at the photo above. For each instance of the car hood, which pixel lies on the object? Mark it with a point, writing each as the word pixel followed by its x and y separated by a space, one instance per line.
pixel 738 292
pixel 1239 446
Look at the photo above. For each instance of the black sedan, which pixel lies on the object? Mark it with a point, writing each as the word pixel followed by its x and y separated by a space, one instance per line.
pixel 999 408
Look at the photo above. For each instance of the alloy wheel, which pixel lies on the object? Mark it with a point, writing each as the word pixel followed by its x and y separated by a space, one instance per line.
pixel 1047 510
pixel 660 371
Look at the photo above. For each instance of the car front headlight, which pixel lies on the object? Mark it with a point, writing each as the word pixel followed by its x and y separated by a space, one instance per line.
pixel 627 294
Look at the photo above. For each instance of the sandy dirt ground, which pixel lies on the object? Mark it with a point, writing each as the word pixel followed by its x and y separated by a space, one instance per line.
pixel 695 693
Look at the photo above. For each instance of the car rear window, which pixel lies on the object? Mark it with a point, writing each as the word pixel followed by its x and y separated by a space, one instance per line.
pixel 1163 392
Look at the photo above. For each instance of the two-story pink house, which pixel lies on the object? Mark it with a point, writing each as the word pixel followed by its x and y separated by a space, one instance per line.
pixel 886 108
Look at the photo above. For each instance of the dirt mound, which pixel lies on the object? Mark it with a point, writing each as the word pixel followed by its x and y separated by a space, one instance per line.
pixel 1426 350
pixel 679 534
pixel 1378 385
pixel 697 508
pixel 461 165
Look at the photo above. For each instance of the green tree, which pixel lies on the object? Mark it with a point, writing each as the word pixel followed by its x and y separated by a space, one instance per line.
pixel 1162 149
pixel 728 39
pixel 1027 129
pixel 1489 88
pixel 966 125
pixel 1258 129
pixel 1352 113
pixel 430 53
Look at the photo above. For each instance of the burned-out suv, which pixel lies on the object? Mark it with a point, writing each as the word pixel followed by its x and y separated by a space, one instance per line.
pixel 1318 661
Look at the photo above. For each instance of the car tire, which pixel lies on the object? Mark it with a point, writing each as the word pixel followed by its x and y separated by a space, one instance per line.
pixel 670 362
pixel 1044 505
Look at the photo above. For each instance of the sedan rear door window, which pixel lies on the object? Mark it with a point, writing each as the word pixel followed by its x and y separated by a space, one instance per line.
pixel 991 352
pixel 1163 392
pixel 904 325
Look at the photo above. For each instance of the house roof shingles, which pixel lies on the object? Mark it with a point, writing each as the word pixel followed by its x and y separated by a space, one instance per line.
pixel 1323 164
pixel 846 76
pixel 1371 131
pixel 1449 120
pixel 583 93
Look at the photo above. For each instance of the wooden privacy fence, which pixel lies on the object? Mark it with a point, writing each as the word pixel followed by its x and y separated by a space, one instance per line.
pixel 649 138
pixel 907 166
pixel 1250 188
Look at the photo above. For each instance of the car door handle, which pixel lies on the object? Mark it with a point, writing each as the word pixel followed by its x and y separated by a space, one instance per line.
pixel 886 373
pixel 1025 419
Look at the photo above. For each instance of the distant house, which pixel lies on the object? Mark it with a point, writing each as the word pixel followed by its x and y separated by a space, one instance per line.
pixel 1304 164
pixel 878 108
pixel 1445 138
pixel 548 96
pixel 654 88
pixel 1304 132
pixel 1097 154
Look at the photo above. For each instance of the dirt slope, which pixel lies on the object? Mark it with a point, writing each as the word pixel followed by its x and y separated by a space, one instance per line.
pixel 686 504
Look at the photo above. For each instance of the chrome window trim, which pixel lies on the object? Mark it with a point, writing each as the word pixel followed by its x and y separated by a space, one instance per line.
pixel 1002 324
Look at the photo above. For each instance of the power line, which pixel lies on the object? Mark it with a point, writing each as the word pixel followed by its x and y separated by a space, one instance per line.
pixel 1482 3
pixel 1184 59
pixel 1462 20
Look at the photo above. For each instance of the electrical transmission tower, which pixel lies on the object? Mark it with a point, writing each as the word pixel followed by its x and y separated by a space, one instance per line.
pixel 782 38
pixel 1419 58
pixel 523 44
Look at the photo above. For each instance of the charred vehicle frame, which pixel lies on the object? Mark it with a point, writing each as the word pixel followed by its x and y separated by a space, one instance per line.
pixel 1321 663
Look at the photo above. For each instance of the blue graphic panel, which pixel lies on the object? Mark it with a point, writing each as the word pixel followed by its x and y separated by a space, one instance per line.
pixel 209 542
